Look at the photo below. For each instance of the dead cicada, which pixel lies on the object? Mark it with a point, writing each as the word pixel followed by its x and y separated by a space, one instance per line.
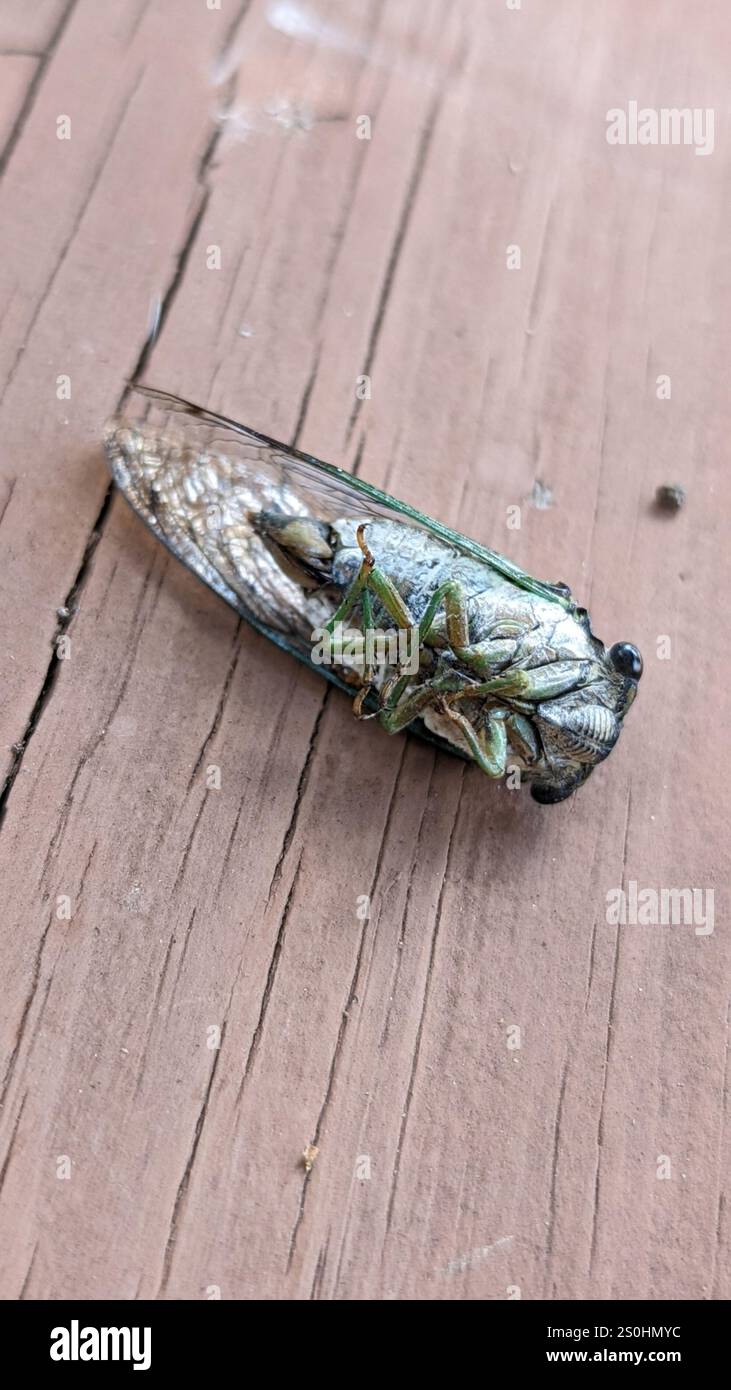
pixel 430 630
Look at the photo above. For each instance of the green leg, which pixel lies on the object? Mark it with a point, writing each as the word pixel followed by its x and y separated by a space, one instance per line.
pixel 489 746
pixel 451 594
pixel 395 717
pixel 392 691
pixel 389 696
pixel 483 658
pixel 345 608
pixel 367 627
pixel 522 737
pixel 370 577
pixel 542 683
pixel 367 609
pixel 368 581
pixel 391 599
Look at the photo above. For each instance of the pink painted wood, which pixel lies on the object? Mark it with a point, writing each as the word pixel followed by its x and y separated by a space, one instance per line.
pixel 451 1163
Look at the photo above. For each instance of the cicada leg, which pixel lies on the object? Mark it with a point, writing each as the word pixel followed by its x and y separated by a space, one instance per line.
pixel 522 736
pixel 370 580
pixel 481 658
pixel 540 683
pixel 451 594
pixel 489 745
pixel 367 608
pixel 484 658
pixel 346 606
pixel 369 576
pixel 397 713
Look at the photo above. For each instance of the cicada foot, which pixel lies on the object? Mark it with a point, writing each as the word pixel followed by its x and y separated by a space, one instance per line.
pixel 359 700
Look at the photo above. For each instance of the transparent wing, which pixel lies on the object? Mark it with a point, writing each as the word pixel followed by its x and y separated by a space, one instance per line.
pixel 198 479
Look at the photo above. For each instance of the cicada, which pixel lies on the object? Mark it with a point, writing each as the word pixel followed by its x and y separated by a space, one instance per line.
pixel 428 630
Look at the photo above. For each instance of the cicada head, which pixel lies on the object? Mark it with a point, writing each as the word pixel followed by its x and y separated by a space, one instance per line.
pixel 579 729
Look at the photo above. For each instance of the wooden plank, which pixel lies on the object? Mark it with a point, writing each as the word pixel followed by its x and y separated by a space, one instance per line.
pixel 16 75
pixel 450 1164
pixel 56 232
pixel 32 29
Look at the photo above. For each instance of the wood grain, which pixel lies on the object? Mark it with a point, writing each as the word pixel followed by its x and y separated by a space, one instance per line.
pixel 450 1165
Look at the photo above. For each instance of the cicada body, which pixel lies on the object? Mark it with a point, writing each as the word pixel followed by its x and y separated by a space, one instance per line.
pixel 427 629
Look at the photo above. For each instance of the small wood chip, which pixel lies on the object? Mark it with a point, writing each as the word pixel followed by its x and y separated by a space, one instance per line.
pixel 670 496
pixel 541 496
pixel 309 1154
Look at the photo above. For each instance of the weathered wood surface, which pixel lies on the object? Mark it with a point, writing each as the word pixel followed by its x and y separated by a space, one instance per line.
pixel 449 1165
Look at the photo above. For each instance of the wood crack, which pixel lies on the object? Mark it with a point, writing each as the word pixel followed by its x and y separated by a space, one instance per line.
pixel 34 86
pixel 721 1205
pixel 269 986
pixel 13 1137
pixel 299 794
pixel 420 1030
pixel 306 397
pixel 183 954
pixel 35 979
pixel 99 524
pixel 412 192
pixel 153 1011
pixel 600 1126
pixel 554 1165
pixel 344 1017
pixel 89 752
pixel 407 904
pixel 189 845
pixel 187 1171
pixel 116 126
pixel 29 1275
pixel 9 498
pixel 215 724
pixel 316 1289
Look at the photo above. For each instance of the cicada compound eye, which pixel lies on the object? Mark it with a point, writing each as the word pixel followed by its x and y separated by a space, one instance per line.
pixel 626 660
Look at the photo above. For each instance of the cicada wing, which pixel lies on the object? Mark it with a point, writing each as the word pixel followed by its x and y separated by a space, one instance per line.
pixel 327 492
pixel 202 483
